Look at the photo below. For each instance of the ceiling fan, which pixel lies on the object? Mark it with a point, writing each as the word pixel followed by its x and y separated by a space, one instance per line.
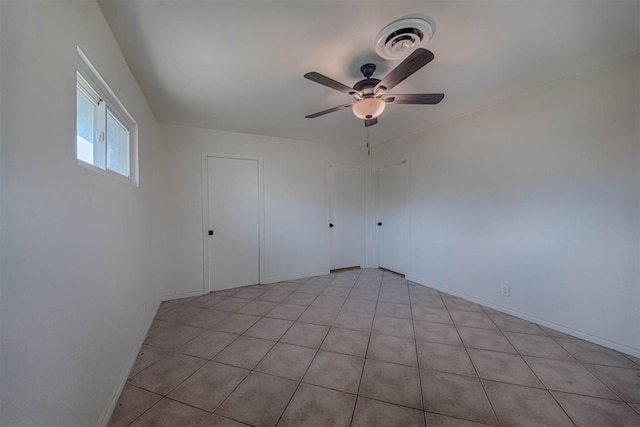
pixel 370 94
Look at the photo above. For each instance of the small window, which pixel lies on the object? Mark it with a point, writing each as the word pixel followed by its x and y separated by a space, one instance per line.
pixel 105 131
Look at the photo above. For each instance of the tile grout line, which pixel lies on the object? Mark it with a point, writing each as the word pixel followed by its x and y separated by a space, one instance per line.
pixel 562 408
pixel 493 409
pixel 251 371
pixel 634 409
pixel 585 366
pixel 544 385
pixel 208 361
pixel 304 374
pixel 145 411
pixel 536 375
pixel 211 360
pixel 415 341
pixel 364 362
pixel 568 392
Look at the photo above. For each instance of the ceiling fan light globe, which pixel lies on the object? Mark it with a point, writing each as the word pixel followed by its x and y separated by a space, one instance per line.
pixel 368 108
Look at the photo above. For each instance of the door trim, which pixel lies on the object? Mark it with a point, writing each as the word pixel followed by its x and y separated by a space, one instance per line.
pixel 205 213
pixel 376 200
pixel 363 208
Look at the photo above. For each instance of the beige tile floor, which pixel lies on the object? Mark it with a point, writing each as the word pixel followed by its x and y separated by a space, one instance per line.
pixel 367 348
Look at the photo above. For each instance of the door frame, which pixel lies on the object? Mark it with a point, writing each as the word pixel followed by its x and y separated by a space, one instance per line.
pixel 205 213
pixel 363 248
pixel 376 204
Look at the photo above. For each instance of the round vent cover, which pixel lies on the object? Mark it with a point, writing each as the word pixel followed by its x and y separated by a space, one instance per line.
pixel 401 37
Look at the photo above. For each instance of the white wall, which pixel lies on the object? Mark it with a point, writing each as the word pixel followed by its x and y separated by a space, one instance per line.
pixel 81 276
pixel 295 201
pixel 540 193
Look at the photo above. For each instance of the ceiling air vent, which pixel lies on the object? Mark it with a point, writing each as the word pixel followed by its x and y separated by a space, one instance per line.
pixel 401 37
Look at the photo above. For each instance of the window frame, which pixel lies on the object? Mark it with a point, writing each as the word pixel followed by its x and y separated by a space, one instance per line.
pixel 92 84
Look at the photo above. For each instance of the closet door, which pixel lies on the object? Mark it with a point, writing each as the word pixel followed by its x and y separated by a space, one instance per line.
pixel 391 213
pixel 346 218
pixel 233 228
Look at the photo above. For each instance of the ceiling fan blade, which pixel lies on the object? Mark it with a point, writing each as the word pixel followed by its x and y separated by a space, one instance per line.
pixel 330 110
pixel 326 81
pixel 370 122
pixel 414 98
pixel 412 63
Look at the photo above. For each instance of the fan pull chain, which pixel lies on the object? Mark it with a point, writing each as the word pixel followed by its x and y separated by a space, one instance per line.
pixel 368 149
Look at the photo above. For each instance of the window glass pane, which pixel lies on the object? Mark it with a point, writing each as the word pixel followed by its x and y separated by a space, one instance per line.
pixel 85 126
pixel 117 146
pixel 105 132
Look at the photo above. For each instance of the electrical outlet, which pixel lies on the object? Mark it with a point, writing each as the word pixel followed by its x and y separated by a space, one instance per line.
pixel 505 290
pixel 195 202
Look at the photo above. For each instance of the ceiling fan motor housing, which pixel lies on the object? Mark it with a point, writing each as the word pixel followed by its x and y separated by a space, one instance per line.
pixel 366 86
pixel 403 36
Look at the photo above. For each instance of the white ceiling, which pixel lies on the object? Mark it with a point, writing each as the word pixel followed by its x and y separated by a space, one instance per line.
pixel 239 65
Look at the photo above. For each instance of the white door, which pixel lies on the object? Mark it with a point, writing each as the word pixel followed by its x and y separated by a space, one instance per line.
pixel 233 223
pixel 391 222
pixel 346 217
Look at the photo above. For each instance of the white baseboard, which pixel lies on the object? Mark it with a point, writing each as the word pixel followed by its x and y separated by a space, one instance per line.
pixel 182 295
pixel 293 277
pixel 103 421
pixel 605 342
pixel 262 282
